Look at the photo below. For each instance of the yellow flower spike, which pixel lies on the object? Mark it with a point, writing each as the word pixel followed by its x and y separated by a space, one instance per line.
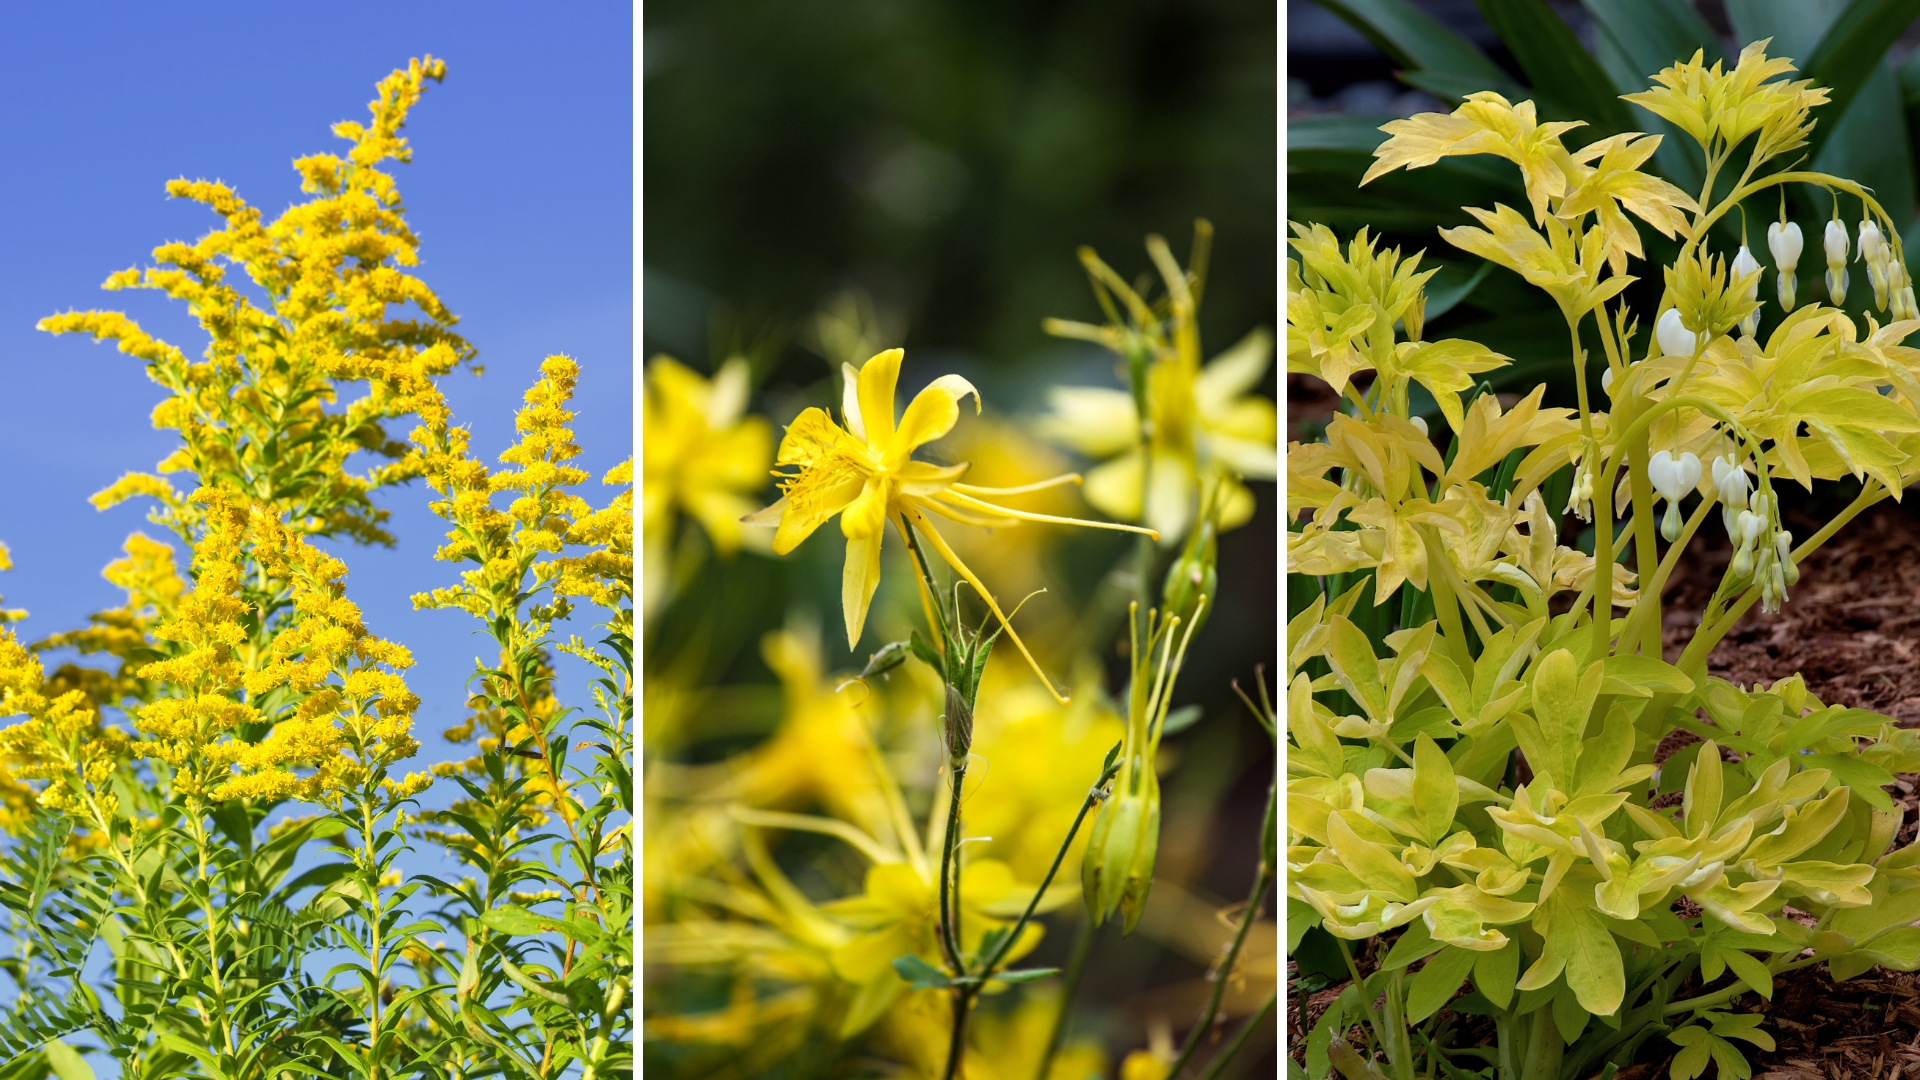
pixel 865 473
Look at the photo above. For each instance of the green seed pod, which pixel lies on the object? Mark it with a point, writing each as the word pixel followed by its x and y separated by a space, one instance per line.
pixel 1117 869
pixel 959 720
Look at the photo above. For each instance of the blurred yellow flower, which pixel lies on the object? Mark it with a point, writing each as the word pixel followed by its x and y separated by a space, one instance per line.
pixel 1202 424
pixel 897 915
pixel 701 456
pixel 866 473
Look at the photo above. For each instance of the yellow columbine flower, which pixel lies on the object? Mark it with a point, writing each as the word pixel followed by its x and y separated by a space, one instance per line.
pixel 1207 427
pixel 866 474
pixel 700 456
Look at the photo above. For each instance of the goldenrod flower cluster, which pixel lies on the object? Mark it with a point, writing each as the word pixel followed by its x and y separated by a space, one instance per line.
pixel 266 403
pixel 329 690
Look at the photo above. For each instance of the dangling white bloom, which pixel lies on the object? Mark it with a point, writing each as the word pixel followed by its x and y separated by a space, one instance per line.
pixel 1784 240
pixel 1875 252
pixel 1418 423
pixel 1606 382
pixel 1743 264
pixel 1836 245
pixel 1674 338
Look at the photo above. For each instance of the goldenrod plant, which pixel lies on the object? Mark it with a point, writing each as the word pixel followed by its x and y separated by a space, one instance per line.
pixel 1475 708
pixel 215 850
pixel 973 789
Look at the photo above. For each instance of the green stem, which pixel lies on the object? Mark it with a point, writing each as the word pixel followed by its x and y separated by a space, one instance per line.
pixel 1734 991
pixel 1262 878
pixel 1366 1002
pixel 1069 982
pixel 1695 656
pixel 950 875
pixel 1094 795
pixel 1240 1039
pixel 957 1044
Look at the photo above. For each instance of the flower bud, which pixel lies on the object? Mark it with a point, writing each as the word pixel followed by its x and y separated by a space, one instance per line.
pixel 1875 252
pixel 1835 243
pixel 1786 243
pixel 1117 869
pixel 1742 563
pixel 1744 264
pixel 1783 239
pixel 1420 423
pixel 1606 382
pixel 1836 250
pixel 1674 338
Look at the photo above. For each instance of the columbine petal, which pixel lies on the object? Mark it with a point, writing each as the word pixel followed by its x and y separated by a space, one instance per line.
pixel 924 478
pixel 850 409
pixel 1113 488
pixel 1171 498
pixel 878 378
pixel 1094 420
pixel 931 415
pixel 1234 373
pixel 858 582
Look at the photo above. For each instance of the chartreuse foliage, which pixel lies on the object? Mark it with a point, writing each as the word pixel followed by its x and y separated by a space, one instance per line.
pixel 213 859
pixel 1476 709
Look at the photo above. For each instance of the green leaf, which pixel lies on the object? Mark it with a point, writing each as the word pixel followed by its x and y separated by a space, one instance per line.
pixel 1653 34
pixel 66 1062
pixel 1862 778
pixel 1022 975
pixel 1869 143
pixel 1181 719
pixel 1414 39
pixel 1301 917
pixel 1494 972
pixel 1442 297
pixel 1568 1015
pixel 919 974
pixel 1563 700
pixel 1643 676
pixel 1566 78
pixel 1351 656
pixel 1433 985
pixel 1750 971
pixel 1331 1024
pixel 1435 794
pixel 1415 943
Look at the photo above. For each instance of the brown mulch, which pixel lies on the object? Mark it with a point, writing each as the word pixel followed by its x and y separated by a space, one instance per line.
pixel 1851 628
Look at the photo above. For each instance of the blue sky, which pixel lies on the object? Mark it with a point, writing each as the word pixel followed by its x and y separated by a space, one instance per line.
pixel 520 189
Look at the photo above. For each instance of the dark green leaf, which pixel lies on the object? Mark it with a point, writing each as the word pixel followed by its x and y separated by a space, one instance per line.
pixel 1022 975
pixel 1414 39
pixel 919 974
pixel 1566 79
pixel 1848 55
pixel 1181 719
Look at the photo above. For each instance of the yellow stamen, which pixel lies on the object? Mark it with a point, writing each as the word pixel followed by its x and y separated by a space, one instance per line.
pixel 969 501
pixel 1038 485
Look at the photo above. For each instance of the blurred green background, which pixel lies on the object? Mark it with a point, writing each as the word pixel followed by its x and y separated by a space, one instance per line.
pixel 945 160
